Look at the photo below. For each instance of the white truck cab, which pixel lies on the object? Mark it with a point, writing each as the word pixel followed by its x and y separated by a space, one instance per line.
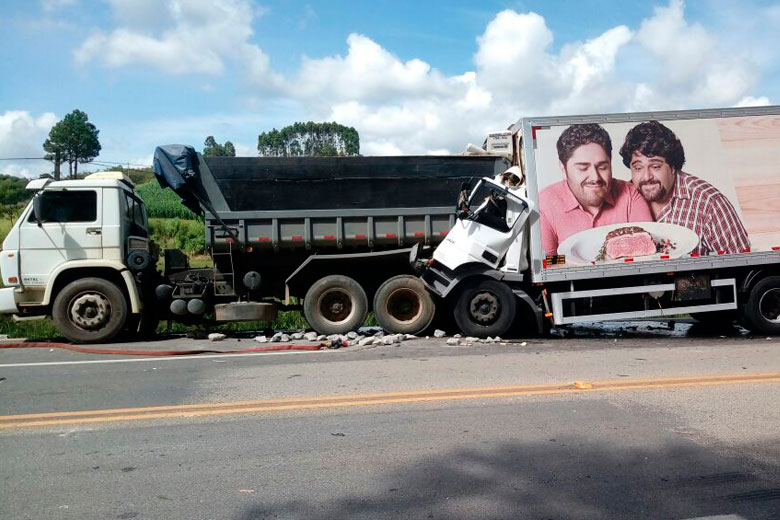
pixel 76 248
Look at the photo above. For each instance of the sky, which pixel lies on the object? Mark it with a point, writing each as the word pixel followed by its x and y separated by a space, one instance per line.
pixel 411 77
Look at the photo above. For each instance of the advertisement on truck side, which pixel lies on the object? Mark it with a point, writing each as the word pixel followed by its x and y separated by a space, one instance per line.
pixel 656 189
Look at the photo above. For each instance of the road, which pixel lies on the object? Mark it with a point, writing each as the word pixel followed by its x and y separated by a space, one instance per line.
pixel 637 421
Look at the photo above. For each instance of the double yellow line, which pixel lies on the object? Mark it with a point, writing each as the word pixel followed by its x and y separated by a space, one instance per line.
pixel 308 403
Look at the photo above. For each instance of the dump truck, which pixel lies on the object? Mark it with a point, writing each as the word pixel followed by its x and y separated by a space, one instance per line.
pixel 334 233
pixel 620 217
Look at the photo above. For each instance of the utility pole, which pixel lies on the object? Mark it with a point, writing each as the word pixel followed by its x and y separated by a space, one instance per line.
pixel 57 165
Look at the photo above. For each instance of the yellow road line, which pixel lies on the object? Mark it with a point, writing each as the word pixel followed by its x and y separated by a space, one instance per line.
pixel 306 403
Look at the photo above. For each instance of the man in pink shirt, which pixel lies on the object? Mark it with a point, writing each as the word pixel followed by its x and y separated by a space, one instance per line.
pixel 588 196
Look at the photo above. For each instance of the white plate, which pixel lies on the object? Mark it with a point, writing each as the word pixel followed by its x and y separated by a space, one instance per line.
pixel 584 247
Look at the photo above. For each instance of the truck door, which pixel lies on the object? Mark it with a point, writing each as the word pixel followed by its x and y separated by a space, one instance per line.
pixel 69 228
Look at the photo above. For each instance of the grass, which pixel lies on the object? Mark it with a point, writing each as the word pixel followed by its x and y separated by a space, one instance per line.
pixel 163 203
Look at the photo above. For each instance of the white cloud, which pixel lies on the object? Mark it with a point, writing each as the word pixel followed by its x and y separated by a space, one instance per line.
pixel 21 136
pixel 409 106
pixel 203 38
pixel 55 5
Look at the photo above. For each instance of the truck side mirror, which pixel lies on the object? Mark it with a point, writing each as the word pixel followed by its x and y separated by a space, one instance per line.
pixel 37 209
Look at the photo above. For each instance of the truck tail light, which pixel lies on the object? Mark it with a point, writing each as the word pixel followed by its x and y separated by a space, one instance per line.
pixel 13 279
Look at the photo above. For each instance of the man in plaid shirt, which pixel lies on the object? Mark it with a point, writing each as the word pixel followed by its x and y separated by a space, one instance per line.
pixel 655 157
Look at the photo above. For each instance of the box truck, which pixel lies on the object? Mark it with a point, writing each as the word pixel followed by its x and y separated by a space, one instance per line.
pixel 621 216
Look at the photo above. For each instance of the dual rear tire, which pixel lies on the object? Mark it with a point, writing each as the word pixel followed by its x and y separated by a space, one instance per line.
pixel 337 304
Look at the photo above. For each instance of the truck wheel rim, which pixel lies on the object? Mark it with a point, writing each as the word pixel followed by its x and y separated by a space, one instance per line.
pixel 404 305
pixel 90 311
pixel 335 305
pixel 769 305
pixel 484 307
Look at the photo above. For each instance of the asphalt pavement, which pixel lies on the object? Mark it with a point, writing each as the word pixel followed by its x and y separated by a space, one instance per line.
pixel 645 420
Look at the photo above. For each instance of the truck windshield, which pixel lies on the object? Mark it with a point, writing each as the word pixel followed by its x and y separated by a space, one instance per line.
pixel 489 206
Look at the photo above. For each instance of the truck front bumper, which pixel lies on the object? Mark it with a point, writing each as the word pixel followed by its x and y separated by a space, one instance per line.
pixel 8 301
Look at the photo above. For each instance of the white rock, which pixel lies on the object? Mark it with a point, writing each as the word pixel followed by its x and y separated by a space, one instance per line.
pixel 438 333
pixel 378 341
pixel 332 337
pixel 524 343
pixel 498 339
pixel 352 334
pixel 261 339
pixel 216 336
pixel 379 334
pixel 389 340
pixel 407 337
pixel 453 341
pixel 457 336
pixel 489 340
pixel 276 337
pixel 366 341
pixel 284 338
pixel 472 339
pixel 297 335
pixel 322 337
pixel 310 336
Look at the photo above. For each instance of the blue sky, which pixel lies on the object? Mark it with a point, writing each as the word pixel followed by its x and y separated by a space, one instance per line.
pixel 412 77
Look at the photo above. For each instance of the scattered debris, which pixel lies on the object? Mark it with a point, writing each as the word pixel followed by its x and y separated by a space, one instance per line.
pixel 438 333
pixel 321 337
pixel 453 341
pixel 216 336
pixel 352 335
pixel 366 341
pixel 310 336
pixel 261 339
pixel 524 343
pixel 457 336
pixel 246 491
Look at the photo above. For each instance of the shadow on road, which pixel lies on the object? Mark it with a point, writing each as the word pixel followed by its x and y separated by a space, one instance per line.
pixel 561 478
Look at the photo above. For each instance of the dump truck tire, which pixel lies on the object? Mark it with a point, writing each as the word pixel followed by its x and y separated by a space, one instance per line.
pixel 335 304
pixel 402 305
pixel 90 310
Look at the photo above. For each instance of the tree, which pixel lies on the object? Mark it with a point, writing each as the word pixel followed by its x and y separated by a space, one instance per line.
pixel 309 139
pixel 211 148
pixel 73 139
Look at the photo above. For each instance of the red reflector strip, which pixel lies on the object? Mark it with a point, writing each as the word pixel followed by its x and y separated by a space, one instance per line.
pixel 360 235
pixel 329 237
pixel 628 259
pixel 229 240
pixel 297 238
pixel 746 250
pixel 390 235
pixel 664 257
pixel 544 263
pixel 775 248
pixel 533 131
pixel 721 252
pixel 444 233
pixel 264 239
pixel 694 255
pixel 419 234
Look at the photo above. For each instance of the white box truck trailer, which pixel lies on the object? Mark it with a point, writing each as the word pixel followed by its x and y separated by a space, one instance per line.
pixel 622 216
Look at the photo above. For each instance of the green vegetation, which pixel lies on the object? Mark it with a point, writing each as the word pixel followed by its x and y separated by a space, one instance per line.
pixel 73 140
pixel 309 140
pixel 171 233
pixel 211 148
pixel 163 203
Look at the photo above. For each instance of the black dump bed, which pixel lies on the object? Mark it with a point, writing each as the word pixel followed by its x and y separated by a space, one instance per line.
pixel 323 202
pixel 317 183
